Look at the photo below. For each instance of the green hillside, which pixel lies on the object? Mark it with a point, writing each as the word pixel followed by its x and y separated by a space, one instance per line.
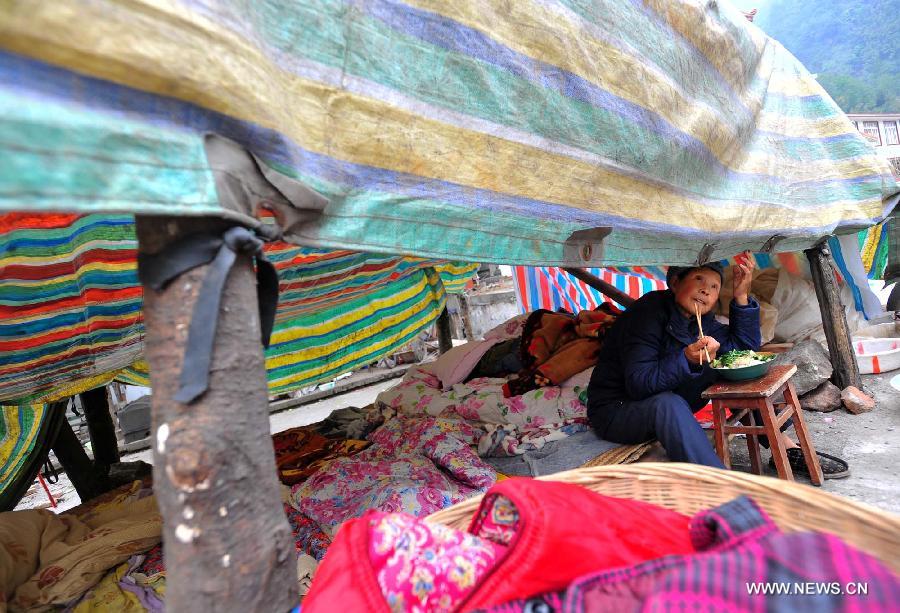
pixel 851 45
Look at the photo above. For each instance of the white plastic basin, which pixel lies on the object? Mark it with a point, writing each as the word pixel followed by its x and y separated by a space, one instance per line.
pixel 876 355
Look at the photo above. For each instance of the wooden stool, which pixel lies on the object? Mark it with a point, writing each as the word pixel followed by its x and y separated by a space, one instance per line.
pixel 742 397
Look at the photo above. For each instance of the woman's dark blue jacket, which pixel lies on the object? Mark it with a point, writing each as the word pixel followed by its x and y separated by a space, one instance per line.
pixel 643 352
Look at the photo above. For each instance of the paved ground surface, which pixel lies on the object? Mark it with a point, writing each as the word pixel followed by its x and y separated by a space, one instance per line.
pixel 869 442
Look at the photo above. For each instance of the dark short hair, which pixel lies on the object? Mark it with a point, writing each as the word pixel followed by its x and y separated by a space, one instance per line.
pixel 677 273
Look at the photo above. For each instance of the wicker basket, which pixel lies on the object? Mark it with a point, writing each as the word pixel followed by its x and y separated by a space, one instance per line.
pixel 690 488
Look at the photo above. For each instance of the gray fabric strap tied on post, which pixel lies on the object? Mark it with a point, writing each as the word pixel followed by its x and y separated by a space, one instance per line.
pixel 158 270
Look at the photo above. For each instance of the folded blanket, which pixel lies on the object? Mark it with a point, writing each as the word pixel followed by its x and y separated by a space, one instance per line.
pixel 508 426
pixel 556 346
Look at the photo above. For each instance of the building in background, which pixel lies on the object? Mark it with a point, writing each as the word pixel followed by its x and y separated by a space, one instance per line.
pixel 883 130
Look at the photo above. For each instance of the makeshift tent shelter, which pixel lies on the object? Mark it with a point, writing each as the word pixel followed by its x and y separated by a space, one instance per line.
pixel 565 133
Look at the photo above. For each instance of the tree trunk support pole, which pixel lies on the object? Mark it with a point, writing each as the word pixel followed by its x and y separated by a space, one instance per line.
pixel 445 338
pixel 227 542
pixel 834 322
pixel 601 286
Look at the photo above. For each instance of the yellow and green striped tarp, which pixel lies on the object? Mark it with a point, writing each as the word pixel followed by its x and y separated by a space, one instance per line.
pixel 20 429
pixel 464 130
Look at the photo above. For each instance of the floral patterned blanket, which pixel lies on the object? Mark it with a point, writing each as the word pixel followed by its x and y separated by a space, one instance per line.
pixel 415 464
pixel 510 426
pixel 428 453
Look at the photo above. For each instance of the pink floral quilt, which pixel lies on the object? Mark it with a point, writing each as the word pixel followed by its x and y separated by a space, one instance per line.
pixel 510 426
pixel 417 465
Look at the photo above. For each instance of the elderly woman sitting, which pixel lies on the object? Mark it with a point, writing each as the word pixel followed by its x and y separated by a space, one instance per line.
pixel 653 366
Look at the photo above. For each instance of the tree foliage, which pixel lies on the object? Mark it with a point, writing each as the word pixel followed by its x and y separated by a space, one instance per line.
pixel 851 44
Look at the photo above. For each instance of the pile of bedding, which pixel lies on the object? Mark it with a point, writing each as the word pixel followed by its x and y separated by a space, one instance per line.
pixel 558 348
pixel 439 428
pixel 425 444
pixel 90 554
pixel 509 426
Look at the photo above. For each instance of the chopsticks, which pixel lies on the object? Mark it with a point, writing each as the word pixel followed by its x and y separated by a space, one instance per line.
pixel 700 326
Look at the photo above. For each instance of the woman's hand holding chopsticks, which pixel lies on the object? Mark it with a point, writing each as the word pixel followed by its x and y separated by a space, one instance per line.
pixel 703 349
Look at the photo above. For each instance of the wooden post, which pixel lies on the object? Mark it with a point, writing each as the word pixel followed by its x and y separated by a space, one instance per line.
pixel 227 542
pixel 100 427
pixel 445 338
pixel 837 333
pixel 465 316
pixel 601 286
pixel 74 459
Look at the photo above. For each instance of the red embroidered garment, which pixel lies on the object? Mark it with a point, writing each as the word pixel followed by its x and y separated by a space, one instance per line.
pixel 555 533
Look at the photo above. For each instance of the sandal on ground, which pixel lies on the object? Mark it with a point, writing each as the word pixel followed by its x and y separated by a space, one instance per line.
pixel 832 467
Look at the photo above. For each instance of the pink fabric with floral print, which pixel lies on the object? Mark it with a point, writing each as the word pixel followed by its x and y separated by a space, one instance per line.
pixel 509 426
pixel 497 519
pixel 426 567
pixel 414 465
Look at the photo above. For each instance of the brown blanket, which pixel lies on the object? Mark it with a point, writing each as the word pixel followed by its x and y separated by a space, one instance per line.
pixel 301 451
pixel 556 346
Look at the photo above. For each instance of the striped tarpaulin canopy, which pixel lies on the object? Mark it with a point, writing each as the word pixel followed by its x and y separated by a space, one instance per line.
pixel 465 130
pixel 21 430
pixel 552 288
pixel 70 306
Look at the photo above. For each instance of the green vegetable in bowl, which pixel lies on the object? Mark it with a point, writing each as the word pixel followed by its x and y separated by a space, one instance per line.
pixel 739 358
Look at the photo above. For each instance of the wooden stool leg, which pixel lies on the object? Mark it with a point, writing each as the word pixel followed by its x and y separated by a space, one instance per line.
pixel 803 438
pixel 719 431
pixel 753 445
pixel 774 436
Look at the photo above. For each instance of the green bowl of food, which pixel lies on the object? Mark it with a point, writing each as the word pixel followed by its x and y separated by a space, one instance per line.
pixel 743 365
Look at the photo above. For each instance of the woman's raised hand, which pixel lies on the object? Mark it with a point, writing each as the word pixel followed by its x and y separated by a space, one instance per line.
pixel 742 276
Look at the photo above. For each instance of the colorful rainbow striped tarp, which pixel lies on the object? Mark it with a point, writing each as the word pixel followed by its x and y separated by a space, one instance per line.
pixel 464 130
pixel 552 288
pixel 70 307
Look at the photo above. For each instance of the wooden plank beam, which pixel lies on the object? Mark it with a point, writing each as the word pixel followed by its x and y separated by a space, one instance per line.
pixel 227 542
pixel 101 428
pixel 837 333
pixel 74 459
pixel 601 286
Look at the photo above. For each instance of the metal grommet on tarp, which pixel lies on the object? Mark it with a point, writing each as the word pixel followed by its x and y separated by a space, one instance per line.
pixel 586 247
pixel 769 245
pixel 220 252
pixel 705 254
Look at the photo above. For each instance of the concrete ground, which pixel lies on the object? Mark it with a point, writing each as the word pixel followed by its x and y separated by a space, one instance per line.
pixel 870 443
